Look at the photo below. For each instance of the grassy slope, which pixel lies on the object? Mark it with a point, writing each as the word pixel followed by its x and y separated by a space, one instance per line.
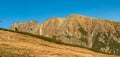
pixel 26 44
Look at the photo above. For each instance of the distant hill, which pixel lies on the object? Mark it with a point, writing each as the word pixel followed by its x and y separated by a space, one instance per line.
pixel 93 33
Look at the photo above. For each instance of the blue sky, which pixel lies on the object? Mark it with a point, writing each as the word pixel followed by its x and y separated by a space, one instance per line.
pixel 12 11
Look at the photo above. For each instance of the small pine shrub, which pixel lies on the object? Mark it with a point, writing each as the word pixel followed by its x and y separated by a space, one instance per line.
pixel 83 31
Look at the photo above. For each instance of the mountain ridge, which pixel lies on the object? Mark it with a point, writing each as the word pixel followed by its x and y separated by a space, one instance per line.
pixel 94 33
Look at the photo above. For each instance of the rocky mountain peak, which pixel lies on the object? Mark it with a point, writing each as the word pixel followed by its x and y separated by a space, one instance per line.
pixel 33 21
pixel 99 35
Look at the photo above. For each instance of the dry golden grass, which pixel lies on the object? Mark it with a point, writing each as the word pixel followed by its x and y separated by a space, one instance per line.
pixel 19 45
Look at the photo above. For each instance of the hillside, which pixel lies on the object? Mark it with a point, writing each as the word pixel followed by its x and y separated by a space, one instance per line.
pixel 14 44
pixel 96 34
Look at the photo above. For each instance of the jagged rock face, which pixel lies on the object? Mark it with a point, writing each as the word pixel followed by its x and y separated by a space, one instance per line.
pixel 99 35
pixel 51 27
pixel 25 26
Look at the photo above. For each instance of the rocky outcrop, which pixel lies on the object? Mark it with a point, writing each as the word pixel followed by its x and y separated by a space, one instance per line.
pixel 25 26
pixel 51 27
pixel 99 35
